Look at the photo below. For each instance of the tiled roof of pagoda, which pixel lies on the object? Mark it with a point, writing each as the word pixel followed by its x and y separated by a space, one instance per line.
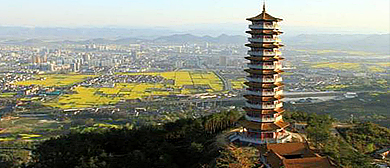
pixel 260 71
pixel 276 153
pixel 318 162
pixel 254 97
pixel 247 109
pixel 264 16
pixel 268 32
pixel 291 149
pixel 261 58
pixel 265 45
pixel 264 126
pixel 257 84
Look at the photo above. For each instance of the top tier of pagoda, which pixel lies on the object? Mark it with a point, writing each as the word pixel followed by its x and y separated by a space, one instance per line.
pixel 264 16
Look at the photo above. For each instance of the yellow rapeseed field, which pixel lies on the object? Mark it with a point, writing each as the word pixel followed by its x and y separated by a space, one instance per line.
pixel 92 97
pixel 56 80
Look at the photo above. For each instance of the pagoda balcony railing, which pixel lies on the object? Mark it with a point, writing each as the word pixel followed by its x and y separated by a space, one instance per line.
pixel 260 79
pixel 259 66
pixel 279 92
pixel 279 79
pixel 256 119
pixel 260 93
pixel 260 40
pixel 279 105
pixel 278 66
pixel 278 118
pixel 264 105
pixel 266 80
pixel 260 106
pixel 244 137
pixel 262 53
pixel 264 26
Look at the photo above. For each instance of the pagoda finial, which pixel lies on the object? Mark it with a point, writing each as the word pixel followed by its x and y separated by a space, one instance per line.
pixel 264 6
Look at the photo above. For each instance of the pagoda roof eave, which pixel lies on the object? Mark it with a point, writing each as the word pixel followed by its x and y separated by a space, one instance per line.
pixel 277 110
pixel 264 32
pixel 265 126
pixel 265 45
pixel 264 17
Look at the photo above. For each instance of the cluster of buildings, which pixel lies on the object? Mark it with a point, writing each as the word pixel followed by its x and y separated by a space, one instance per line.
pixel 111 80
pixel 140 57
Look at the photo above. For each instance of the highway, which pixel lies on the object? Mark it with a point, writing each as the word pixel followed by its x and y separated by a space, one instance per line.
pixel 226 84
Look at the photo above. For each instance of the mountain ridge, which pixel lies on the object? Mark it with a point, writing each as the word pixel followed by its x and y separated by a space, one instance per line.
pixel 377 43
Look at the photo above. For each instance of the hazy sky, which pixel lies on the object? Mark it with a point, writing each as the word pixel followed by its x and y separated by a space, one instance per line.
pixel 356 15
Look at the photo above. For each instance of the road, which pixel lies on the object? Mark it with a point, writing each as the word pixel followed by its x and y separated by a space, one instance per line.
pixel 226 84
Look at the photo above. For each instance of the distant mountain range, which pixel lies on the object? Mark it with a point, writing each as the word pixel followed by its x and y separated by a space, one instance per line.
pixel 377 43
pixel 188 38
pixel 80 33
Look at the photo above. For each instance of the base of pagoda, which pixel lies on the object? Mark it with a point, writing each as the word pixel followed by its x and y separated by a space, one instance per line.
pixel 243 139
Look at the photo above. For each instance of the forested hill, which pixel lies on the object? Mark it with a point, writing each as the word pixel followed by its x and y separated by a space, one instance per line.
pixel 195 143
pixel 184 143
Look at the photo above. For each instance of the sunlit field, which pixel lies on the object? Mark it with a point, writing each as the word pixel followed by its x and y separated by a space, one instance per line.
pixel 320 52
pixel 185 82
pixel 56 80
pixel 338 66
pixel 361 67
pixel 238 84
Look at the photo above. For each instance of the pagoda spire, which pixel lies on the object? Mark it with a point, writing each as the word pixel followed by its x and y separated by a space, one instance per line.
pixel 264 6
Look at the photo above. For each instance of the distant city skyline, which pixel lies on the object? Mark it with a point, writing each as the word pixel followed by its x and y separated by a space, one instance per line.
pixel 347 16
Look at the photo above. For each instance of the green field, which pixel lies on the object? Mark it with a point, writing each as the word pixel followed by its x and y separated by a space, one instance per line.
pixel 368 67
pixel 322 52
pixel 185 83
pixel 338 66
pixel 366 107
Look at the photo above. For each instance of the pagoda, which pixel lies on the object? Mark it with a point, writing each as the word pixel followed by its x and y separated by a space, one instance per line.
pixel 263 121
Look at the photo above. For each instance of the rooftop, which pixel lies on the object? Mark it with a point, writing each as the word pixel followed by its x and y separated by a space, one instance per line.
pixel 264 126
pixel 294 155
pixel 264 16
